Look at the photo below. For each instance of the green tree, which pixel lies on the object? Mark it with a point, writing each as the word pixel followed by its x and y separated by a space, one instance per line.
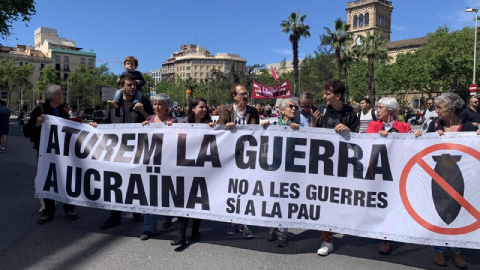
pixel 339 40
pixel 15 78
pixel 47 78
pixel 295 25
pixel 373 48
pixel 14 10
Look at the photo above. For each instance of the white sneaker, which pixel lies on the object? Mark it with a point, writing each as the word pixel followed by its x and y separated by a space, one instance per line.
pixel 325 249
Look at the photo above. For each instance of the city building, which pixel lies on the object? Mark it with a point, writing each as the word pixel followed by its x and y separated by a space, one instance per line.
pixel 193 61
pixel 371 15
pixel 49 50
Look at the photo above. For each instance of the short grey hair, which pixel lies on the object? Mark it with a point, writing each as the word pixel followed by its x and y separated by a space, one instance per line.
pixel 284 102
pixel 305 96
pixel 451 101
pixel 391 105
pixel 51 89
pixel 162 98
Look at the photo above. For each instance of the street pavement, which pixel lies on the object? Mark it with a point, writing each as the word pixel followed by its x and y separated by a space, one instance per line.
pixel 63 244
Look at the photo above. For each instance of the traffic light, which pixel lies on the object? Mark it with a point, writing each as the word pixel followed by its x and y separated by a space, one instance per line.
pixel 189 93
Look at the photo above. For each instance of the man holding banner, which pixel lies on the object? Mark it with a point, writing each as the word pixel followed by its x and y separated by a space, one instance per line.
pixel 125 114
pixel 238 113
pixel 341 118
pixel 54 100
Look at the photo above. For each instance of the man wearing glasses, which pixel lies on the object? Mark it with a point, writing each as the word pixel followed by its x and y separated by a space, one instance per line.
pixel 235 114
pixel 471 114
pixel 428 115
pixel 238 113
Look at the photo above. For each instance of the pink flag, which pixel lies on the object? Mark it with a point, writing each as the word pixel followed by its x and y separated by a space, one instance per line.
pixel 260 91
pixel 274 74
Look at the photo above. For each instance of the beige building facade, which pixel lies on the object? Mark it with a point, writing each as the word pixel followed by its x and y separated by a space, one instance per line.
pixel 49 50
pixel 371 15
pixel 193 61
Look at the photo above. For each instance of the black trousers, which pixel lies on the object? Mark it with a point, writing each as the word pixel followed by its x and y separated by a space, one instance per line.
pixel 182 223
pixel 50 207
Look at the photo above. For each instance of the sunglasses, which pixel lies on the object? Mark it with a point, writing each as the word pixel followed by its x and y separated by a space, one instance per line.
pixel 291 106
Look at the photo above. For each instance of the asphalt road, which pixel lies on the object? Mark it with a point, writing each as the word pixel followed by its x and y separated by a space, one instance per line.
pixel 64 244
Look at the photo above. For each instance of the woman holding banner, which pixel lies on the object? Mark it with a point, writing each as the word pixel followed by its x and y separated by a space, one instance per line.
pixel 161 106
pixel 197 113
pixel 448 107
pixel 287 109
pixel 387 115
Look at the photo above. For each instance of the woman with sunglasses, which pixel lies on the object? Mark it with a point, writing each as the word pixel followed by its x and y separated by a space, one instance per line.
pixel 287 109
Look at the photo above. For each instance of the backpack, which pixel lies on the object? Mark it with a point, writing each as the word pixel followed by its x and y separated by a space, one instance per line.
pixel 25 131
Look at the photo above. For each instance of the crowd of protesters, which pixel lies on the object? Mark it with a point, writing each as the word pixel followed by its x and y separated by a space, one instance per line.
pixel 445 113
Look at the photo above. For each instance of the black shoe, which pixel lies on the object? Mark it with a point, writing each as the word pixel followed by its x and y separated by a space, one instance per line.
pixel 147 235
pixel 281 239
pixel 178 241
pixel 110 223
pixel 167 224
pixel 44 219
pixel 71 215
pixel 137 217
pixel 195 236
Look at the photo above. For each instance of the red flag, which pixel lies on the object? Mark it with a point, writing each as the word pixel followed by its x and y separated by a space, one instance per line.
pixel 274 74
pixel 260 91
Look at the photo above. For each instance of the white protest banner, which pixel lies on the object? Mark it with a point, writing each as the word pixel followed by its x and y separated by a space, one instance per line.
pixel 420 190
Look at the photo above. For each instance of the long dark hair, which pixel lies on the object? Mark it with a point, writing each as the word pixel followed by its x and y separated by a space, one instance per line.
pixel 191 115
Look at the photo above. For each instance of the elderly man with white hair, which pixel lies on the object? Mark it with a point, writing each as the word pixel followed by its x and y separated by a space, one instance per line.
pixel 54 102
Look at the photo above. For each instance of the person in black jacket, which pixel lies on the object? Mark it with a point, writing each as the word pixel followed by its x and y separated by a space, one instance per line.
pixel 54 100
pixel 341 118
pixel 124 113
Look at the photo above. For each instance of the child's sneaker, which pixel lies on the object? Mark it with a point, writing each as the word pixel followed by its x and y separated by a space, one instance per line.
pixel 112 104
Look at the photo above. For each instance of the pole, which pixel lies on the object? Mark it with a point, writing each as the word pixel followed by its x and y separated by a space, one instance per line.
pixel 475 47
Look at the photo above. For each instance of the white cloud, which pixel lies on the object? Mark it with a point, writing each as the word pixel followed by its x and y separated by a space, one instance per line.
pixel 283 51
pixel 459 19
pixel 399 28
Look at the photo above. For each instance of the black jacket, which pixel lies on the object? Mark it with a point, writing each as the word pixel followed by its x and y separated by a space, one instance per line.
pixel 331 117
pixel 30 130
pixel 116 115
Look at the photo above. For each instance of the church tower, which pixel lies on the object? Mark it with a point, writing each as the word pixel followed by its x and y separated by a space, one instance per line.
pixel 369 15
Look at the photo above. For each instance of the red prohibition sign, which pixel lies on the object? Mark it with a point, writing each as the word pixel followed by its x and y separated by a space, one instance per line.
pixel 418 159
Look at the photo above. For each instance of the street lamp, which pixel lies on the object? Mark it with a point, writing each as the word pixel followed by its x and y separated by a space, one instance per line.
pixel 475 43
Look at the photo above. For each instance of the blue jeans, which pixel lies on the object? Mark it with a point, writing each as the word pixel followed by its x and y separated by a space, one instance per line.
pixel 150 222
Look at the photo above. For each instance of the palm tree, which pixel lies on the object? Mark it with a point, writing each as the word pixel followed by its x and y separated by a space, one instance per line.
pixel 339 40
pixel 297 28
pixel 374 48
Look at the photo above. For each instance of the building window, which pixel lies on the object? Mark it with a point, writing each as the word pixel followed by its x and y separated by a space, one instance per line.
pixel 57 58
pixel 65 59
pixel 90 62
pixel 82 61
pixel 360 20
pixel 20 63
pixel 366 19
pixel 42 66
pixel 416 103
pixel 57 66
pixel 66 67
pixel 355 21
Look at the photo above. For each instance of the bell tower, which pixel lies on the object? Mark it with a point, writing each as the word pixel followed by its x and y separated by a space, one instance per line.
pixel 369 15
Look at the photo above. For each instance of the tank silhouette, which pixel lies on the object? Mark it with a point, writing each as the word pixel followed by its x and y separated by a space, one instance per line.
pixel 447 208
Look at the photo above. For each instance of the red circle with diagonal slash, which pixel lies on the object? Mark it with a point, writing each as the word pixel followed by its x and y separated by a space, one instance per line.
pixel 418 159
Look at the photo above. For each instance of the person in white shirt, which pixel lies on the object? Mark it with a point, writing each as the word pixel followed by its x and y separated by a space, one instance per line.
pixel 366 114
pixel 428 115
